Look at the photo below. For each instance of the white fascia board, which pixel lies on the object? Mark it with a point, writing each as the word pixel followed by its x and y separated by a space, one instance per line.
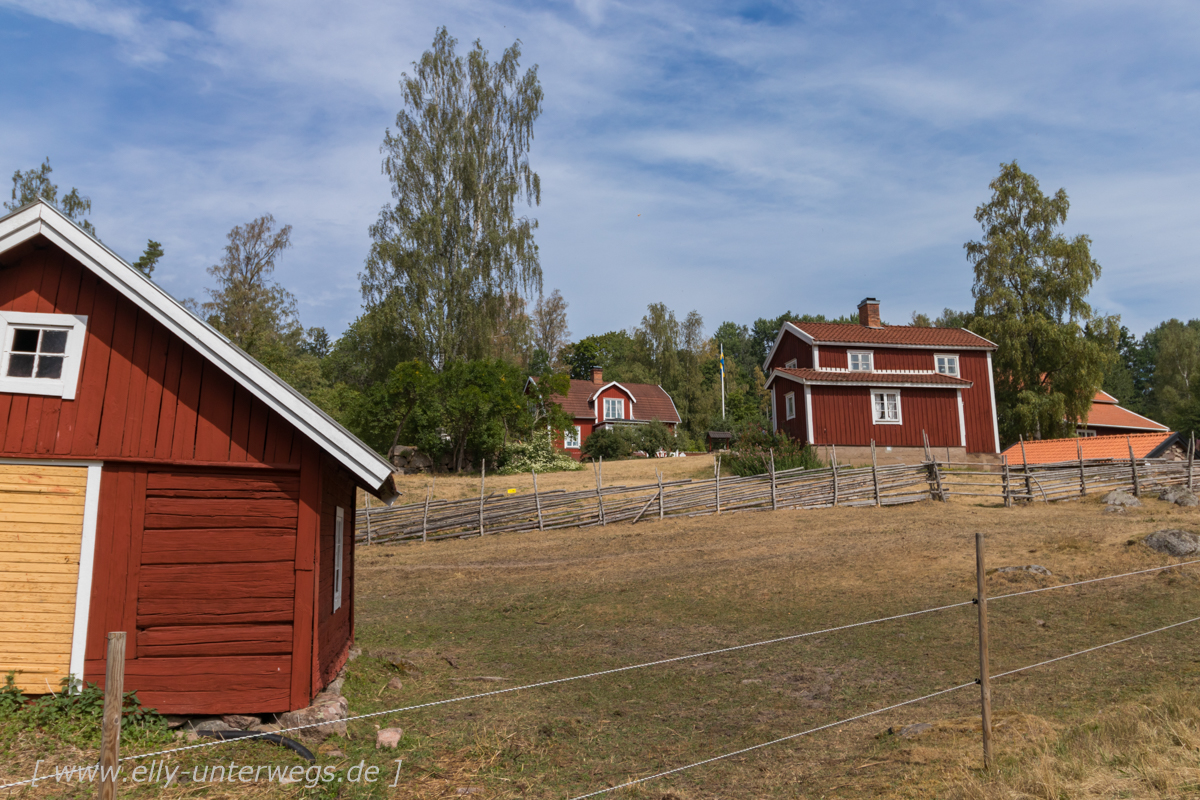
pixel 808 415
pixel 962 420
pixel 906 346
pixel 609 385
pixel 41 218
pixel 896 385
pixel 785 328
pixel 995 419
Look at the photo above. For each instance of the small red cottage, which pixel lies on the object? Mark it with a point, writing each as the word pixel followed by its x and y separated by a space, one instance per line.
pixel 1107 418
pixel 156 480
pixel 846 385
pixel 595 405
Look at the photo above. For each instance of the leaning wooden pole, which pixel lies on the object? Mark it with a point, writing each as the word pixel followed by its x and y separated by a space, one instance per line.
pixel 1007 485
pixel 537 500
pixel 110 729
pixel 718 484
pixel 774 497
pixel 833 463
pixel 599 471
pixel 482 473
pixel 1191 458
pixel 985 687
pixel 1137 489
pixel 660 494
pixel 875 475
pixel 1082 473
pixel 1025 467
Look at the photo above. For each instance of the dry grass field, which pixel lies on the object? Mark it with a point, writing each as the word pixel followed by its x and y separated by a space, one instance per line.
pixel 1121 722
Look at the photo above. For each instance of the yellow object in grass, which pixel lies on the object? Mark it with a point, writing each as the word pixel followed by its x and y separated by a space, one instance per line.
pixel 512 491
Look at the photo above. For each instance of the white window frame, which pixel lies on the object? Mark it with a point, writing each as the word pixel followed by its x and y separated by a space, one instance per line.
pixel 791 364
pixel 619 403
pixel 870 360
pixel 1085 433
pixel 339 535
pixel 951 358
pixel 571 442
pixel 66 385
pixel 875 418
pixel 789 405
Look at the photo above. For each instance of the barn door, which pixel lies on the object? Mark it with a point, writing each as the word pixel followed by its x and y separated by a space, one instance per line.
pixel 47 528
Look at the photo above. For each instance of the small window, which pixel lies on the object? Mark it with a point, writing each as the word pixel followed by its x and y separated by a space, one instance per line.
pixel 339 530
pixel 947 364
pixel 614 408
pixel 789 405
pixel 791 364
pixel 40 353
pixel 860 360
pixel 1084 433
pixel 886 407
pixel 571 437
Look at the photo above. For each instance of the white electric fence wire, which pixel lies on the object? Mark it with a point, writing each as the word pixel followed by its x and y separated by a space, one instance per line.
pixel 1093 580
pixel 773 741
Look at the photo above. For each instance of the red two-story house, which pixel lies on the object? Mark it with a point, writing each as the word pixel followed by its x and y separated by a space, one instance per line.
pixel 595 405
pixel 848 385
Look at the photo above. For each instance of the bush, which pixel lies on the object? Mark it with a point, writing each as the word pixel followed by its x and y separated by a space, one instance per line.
pixel 606 443
pixel 649 438
pixel 750 451
pixel 539 453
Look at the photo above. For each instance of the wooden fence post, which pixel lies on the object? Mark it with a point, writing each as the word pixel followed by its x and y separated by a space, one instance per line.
pixel 1137 489
pixel 1191 458
pixel 718 483
pixel 985 687
pixel 367 516
pixel 599 472
pixel 1025 468
pixel 835 475
pixel 774 500
pixel 935 483
pixel 1082 474
pixel 660 494
pixel 482 472
pixel 875 474
pixel 425 518
pixel 1007 484
pixel 114 699
pixel 537 500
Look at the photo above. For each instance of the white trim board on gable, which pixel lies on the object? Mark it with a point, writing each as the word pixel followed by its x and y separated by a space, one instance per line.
pixel 40 218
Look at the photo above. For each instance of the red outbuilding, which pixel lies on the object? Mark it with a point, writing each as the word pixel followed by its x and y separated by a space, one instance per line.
pixel 848 385
pixel 154 479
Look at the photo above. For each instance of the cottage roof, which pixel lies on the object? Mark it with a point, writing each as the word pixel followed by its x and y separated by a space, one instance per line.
pixel 652 401
pixel 1053 451
pixel 931 380
pixel 41 219
pixel 1106 413
pixel 896 335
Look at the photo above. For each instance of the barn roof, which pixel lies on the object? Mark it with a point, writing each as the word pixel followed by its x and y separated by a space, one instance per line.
pixel 1053 451
pixel 931 380
pixel 41 219
pixel 1106 413
pixel 849 333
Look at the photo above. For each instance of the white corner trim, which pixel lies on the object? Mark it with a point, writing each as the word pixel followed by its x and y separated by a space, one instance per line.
pixel 962 421
pixel 774 420
pixel 992 390
pixel 808 415
pixel 816 357
pixel 87 562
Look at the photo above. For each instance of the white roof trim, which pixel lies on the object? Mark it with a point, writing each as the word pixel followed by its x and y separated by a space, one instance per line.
pixel 795 379
pixel 611 384
pixel 41 218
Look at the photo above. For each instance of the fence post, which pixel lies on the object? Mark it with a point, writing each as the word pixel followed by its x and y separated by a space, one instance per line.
pixel 1137 489
pixel 718 469
pixel 935 483
pixel 1025 468
pixel 660 494
pixel 1191 458
pixel 875 473
pixel 1007 483
pixel 1082 474
pixel 774 501
pixel 599 472
pixel 482 472
pixel 367 516
pixel 537 500
pixel 425 518
pixel 985 687
pixel 114 698
pixel 835 475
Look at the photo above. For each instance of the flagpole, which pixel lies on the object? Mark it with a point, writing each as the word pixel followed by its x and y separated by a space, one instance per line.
pixel 722 381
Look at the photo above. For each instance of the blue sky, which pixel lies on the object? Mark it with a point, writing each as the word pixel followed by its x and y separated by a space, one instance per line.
pixel 740 159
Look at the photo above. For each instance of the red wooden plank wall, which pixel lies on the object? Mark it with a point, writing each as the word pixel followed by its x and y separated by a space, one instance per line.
pixel 792 346
pixel 977 403
pixel 883 357
pixel 143 393
pixel 842 415
pixel 796 428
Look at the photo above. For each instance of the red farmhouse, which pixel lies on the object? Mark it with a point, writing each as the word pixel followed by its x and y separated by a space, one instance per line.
pixel 595 405
pixel 156 480
pixel 849 385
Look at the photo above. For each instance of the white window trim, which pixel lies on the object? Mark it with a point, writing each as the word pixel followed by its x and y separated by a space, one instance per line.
pixel 789 405
pixel 66 386
pixel 808 414
pixel 339 535
pixel 870 354
pixel 791 364
pixel 572 443
pixel 774 420
pixel 957 361
pixel 899 408
pixel 620 400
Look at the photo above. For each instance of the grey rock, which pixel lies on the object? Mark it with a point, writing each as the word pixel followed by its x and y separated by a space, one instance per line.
pixel 1173 542
pixel 1035 569
pixel 209 724
pixel 326 716
pixel 1180 496
pixel 911 731
pixel 242 722
pixel 389 738
pixel 1120 497
pixel 1114 510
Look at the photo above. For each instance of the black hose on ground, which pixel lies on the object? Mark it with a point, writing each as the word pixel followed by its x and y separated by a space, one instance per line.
pixel 267 737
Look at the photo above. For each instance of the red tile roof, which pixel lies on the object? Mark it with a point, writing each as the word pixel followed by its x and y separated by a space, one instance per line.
pixel 876 378
pixel 652 402
pixel 1107 414
pixel 1052 451
pixel 899 335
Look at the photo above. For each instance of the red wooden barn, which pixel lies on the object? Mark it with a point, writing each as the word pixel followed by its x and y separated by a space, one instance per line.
pixel 155 479
pixel 848 385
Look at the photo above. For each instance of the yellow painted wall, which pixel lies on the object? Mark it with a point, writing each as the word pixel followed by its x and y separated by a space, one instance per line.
pixel 41 527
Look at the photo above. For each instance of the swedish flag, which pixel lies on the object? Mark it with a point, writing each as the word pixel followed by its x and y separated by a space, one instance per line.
pixel 722 360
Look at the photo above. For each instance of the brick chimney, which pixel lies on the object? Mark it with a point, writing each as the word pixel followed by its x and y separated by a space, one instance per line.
pixel 868 313
pixel 598 373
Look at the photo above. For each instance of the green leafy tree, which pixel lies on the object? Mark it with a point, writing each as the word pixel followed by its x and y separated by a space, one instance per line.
pixel 1176 381
pixel 35 184
pixel 1030 290
pixel 453 246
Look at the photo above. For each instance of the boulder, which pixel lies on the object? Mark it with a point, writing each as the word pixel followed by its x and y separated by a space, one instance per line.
pixel 1114 510
pixel 1120 497
pixel 1035 569
pixel 1173 542
pixel 389 738
pixel 242 722
pixel 911 731
pixel 1180 496
pixel 326 716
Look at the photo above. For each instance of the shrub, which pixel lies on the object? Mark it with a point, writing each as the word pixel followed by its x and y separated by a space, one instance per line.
pixel 606 443
pixel 750 451
pixel 538 453
pixel 648 438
